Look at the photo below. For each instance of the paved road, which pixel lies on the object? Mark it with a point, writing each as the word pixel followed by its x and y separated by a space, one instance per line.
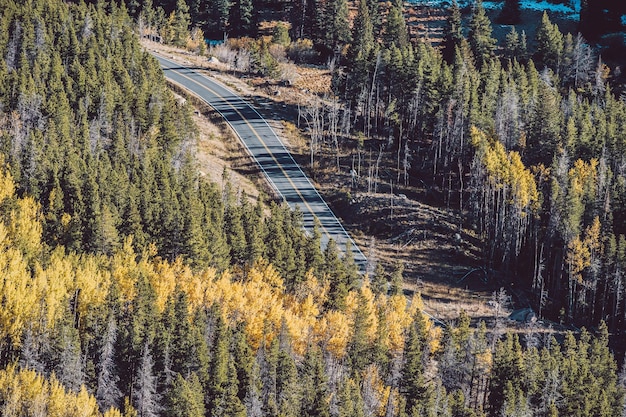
pixel 279 167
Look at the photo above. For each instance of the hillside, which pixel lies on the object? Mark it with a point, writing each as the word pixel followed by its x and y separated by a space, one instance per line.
pixel 146 271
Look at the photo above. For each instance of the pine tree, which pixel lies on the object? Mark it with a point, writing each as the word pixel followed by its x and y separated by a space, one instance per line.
pixel 395 31
pixel 288 385
pixel 70 369
pixel 350 400
pixel 480 40
pixel 362 34
pixel 243 18
pixel 507 367
pixel 185 399
pixel 413 383
pixel 219 366
pixel 315 401
pixel 243 359
pixel 549 41
pixel 335 273
pixel 337 24
pixel 397 280
pixel 182 21
pixel 380 281
pixel 453 32
pixel 510 13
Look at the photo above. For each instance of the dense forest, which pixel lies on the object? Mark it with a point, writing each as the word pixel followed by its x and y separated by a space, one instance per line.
pixel 132 286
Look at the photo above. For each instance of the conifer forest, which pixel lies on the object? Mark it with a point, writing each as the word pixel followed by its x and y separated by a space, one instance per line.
pixel 131 285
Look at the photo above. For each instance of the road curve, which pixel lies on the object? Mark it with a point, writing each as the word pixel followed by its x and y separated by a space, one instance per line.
pixel 262 143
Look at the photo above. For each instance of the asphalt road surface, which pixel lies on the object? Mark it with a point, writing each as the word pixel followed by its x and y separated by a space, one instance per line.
pixel 278 165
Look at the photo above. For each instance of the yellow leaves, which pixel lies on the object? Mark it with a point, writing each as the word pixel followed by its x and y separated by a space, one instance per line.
pixel 333 330
pixel 124 270
pixel 583 177
pixel 25 228
pixel 27 393
pixel 506 169
pixel 300 318
pixel 196 286
pixel 93 281
pixel 53 285
pixel 19 298
pixel 395 319
pixel 163 281
pixel 373 384
pixel 580 252
pixel 7 186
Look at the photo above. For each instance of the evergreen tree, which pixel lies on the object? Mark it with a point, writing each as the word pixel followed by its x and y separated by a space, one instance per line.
pixel 288 388
pixel 508 368
pixel 335 273
pixel 362 34
pixel 480 40
pixel 337 24
pixel 350 400
pixel 510 13
pixel 452 33
pixel 315 402
pixel 397 280
pixel 413 384
pixel 243 18
pixel 182 20
pixel 515 46
pixel 395 31
pixel 185 399
pixel 380 281
pixel 219 367
pixel 549 43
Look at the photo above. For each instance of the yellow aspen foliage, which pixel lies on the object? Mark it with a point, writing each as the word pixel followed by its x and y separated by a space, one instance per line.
pixel 263 314
pixel 113 412
pixel 312 286
pixel 578 258
pixel 583 177
pixel 333 330
pixel 19 297
pixel 82 404
pixel 197 286
pixel 580 252
pixel 299 330
pixel 124 270
pixel 93 281
pixel 506 169
pixel 25 228
pixel 27 393
pixel 351 303
pixel 269 274
pixel 592 236
pixel 299 319
pixel 375 388
pixel 396 318
pixel 163 281
pixel 7 185
pixel 54 284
